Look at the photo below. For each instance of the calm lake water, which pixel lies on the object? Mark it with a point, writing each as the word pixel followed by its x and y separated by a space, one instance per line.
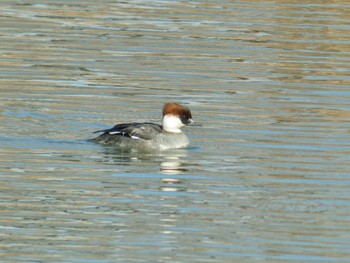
pixel 266 177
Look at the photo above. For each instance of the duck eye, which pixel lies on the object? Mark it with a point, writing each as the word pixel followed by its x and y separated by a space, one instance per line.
pixel 184 119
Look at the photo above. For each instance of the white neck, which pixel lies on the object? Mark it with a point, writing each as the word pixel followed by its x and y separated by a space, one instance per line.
pixel 172 123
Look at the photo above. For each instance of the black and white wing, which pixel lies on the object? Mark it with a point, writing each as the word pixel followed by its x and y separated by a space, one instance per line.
pixel 144 131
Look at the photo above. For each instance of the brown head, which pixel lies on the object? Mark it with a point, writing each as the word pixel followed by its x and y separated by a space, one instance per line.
pixel 176 116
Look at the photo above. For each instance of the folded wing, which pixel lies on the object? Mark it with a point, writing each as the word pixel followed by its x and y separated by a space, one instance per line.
pixel 138 131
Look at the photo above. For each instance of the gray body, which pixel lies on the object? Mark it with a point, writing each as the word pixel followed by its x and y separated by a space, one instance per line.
pixel 142 135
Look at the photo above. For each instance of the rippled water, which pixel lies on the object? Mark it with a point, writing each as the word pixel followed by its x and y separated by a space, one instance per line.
pixel 266 178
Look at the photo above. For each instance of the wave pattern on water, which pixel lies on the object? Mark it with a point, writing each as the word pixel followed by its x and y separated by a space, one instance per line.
pixel 266 176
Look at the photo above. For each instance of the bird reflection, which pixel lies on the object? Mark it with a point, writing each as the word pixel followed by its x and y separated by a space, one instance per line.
pixel 170 162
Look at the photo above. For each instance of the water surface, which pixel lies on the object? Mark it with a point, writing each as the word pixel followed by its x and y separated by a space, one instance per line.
pixel 266 178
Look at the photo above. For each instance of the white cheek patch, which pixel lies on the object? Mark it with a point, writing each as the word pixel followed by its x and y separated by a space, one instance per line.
pixel 135 137
pixel 172 123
